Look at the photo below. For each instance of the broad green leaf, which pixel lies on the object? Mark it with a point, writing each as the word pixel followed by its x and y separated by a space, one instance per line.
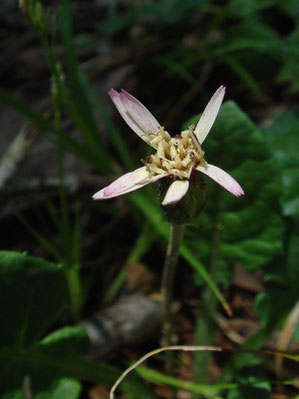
pixel 250 227
pixel 32 296
pixel 246 229
pixel 283 137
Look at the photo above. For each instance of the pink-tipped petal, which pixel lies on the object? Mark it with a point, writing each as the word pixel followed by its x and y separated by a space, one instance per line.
pixel 137 116
pixel 176 192
pixel 209 115
pixel 125 184
pixel 140 113
pixel 222 178
pixel 115 97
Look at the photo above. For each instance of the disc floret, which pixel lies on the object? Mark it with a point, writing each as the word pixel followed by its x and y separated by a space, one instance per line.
pixel 175 156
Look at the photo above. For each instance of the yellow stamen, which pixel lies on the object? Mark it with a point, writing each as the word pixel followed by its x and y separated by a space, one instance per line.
pixel 175 156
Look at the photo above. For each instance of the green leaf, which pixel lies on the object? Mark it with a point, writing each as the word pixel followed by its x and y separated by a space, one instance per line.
pixel 68 340
pixel 64 388
pixel 207 391
pixel 32 296
pixel 250 226
pixel 283 137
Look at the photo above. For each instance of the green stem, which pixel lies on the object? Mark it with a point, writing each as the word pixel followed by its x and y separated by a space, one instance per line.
pixel 176 235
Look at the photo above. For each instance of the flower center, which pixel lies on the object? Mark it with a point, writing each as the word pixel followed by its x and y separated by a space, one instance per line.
pixel 176 156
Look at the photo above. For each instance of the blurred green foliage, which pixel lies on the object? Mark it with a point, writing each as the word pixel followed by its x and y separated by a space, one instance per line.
pixel 257 40
pixel 32 297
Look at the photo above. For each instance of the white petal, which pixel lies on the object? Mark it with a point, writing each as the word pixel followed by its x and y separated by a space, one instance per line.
pixel 140 113
pixel 176 192
pixel 222 178
pixel 209 115
pixel 137 116
pixel 125 184
pixel 115 97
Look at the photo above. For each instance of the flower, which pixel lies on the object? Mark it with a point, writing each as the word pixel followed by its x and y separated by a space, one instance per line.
pixel 176 157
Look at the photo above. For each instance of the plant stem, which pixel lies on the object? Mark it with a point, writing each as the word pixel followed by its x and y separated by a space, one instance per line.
pixel 176 235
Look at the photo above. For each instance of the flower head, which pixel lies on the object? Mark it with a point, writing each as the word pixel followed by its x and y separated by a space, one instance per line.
pixel 176 157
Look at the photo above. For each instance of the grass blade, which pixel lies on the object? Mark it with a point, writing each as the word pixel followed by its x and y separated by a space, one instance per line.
pixel 71 145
